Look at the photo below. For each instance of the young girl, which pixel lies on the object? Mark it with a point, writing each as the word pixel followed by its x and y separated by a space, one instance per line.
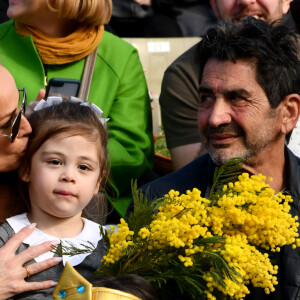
pixel 62 171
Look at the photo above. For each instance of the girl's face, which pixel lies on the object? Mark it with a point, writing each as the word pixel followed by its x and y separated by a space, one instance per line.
pixel 11 153
pixel 63 178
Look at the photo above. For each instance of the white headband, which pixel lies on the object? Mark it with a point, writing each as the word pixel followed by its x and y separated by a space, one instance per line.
pixel 55 100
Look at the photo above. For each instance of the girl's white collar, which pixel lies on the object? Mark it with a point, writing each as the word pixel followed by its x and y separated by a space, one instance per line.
pixel 89 234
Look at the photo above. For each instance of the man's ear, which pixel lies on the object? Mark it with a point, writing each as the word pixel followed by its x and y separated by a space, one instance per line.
pixel 286 6
pixel 290 112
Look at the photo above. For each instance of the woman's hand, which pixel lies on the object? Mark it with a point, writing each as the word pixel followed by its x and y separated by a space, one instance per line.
pixel 12 272
pixel 31 105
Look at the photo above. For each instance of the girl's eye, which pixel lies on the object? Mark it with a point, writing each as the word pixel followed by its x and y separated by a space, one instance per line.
pixel 54 162
pixel 83 167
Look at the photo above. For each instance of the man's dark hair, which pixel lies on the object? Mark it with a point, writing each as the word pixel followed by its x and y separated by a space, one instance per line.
pixel 271 47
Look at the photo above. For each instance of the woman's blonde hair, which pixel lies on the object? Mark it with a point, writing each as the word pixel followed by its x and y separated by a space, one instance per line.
pixel 92 12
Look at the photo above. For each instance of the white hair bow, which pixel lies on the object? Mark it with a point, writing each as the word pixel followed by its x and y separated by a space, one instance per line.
pixel 55 100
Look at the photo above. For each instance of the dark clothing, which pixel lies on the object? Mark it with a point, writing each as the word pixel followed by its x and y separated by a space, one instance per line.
pixel 157 25
pixel 199 174
pixel 164 18
pixel 193 17
pixel 179 100
pixel 290 259
pixel 295 12
pixel 130 19
pixel 10 204
pixel 3 10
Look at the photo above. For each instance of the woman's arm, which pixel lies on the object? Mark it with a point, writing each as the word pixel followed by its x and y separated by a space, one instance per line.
pixel 130 143
pixel 12 272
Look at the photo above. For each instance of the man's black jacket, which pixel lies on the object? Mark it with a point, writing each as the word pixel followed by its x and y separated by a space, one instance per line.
pixel 199 174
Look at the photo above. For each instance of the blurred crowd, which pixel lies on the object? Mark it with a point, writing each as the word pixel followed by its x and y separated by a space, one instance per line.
pixel 166 18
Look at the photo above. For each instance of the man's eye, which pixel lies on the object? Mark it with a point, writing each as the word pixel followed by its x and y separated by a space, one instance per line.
pixel 54 162
pixel 238 100
pixel 205 98
pixel 235 98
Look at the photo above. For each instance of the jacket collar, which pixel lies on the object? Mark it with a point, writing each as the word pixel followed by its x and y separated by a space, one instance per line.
pixel 88 237
pixel 293 176
pixel 292 164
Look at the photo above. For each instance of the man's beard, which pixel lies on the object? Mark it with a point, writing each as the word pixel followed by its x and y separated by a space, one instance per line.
pixel 247 150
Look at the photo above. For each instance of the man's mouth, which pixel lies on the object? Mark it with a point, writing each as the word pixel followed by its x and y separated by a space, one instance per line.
pixel 243 15
pixel 222 138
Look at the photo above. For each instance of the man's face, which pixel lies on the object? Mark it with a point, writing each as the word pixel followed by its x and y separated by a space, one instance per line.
pixel 263 9
pixel 234 117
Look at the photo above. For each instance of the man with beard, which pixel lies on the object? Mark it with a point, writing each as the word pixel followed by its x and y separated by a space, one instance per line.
pixel 179 98
pixel 249 91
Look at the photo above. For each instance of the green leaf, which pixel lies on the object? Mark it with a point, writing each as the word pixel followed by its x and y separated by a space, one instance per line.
pixel 68 248
pixel 104 234
pixel 225 174
pixel 143 211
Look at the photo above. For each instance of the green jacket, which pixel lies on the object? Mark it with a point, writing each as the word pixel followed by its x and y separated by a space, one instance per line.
pixel 118 87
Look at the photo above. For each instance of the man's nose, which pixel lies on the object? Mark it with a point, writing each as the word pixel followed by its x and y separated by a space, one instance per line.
pixel 220 113
pixel 245 2
pixel 25 127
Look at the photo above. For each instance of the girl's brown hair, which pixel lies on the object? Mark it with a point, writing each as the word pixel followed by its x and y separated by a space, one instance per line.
pixel 92 12
pixel 69 118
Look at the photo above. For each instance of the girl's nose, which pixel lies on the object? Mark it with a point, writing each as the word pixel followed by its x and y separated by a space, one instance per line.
pixel 67 175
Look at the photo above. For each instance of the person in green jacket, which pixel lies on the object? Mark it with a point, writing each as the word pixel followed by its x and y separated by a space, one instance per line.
pixel 47 39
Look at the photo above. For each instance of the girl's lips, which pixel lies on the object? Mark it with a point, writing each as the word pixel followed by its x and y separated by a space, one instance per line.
pixel 64 193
